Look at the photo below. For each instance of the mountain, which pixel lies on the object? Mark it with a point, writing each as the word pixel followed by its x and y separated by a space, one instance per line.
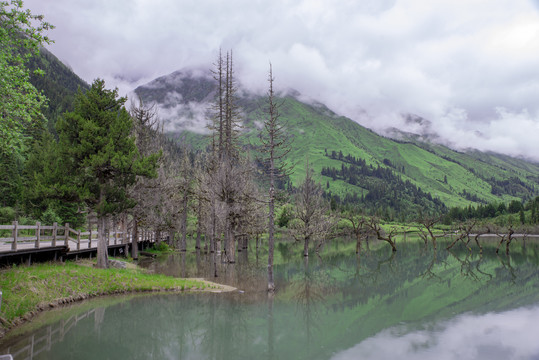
pixel 59 84
pixel 353 163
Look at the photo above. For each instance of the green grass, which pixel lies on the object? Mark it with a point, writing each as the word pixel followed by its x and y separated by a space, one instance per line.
pixel 315 129
pixel 29 288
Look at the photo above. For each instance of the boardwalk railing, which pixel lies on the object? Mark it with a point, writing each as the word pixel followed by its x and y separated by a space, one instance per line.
pixel 32 346
pixel 42 235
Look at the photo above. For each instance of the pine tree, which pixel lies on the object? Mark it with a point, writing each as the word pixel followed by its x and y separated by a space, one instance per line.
pixel 101 155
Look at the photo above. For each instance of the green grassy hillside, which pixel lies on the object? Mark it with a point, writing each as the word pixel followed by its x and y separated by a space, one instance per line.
pixel 395 176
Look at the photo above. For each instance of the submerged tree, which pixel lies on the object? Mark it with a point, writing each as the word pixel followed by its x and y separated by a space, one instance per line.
pixel 227 166
pixel 101 155
pixel 152 195
pixel 276 145
pixel 374 225
pixel 313 221
pixel 359 229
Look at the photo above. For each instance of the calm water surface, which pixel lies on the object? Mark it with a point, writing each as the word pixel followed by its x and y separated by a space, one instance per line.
pixel 415 304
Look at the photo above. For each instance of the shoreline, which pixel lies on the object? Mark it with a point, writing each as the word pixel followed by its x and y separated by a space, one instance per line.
pixel 15 312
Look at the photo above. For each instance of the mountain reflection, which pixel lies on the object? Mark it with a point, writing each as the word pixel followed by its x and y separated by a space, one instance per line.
pixel 415 303
pixel 505 336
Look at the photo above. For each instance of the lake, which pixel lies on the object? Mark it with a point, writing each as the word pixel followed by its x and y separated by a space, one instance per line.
pixel 414 304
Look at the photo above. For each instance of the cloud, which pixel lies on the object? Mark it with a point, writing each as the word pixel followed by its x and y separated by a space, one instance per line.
pixel 381 58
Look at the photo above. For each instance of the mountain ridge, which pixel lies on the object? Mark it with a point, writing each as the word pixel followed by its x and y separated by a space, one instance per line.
pixel 353 163
pixel 457 178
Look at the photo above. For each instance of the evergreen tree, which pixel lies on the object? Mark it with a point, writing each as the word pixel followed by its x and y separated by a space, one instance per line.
pixel 48 186
pixel 101 155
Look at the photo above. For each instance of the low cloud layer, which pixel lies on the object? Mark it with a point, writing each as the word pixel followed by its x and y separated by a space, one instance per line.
pixel 469 67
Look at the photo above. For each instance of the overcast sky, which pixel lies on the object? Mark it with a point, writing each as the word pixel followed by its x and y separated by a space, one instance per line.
pixel 469 66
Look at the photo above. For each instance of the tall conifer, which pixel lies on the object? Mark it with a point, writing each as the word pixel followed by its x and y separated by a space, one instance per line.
pixel 102 156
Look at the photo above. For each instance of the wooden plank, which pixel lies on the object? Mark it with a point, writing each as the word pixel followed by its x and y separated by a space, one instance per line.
pixel 27 227
pixel 23 238
pixel 6 227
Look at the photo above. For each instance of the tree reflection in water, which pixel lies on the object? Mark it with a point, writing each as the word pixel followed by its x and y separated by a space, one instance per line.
pixel 338 303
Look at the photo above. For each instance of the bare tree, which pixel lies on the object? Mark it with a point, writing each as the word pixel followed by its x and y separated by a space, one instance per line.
pixel 145 129
pixel 312 213
pixel 427 232
pixel 359 226
pixel 228 165
pixel 200 196
pixel 505 236
pixel 276 145
pixel 185 185
pixel 157 204
pixel 374 225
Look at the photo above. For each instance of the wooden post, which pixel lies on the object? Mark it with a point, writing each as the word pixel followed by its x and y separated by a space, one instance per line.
pixel 125 240
pixel 38 233
pixel 114 230
pixel 15 235
pixel 107 232
pixel 90 239
pixel 66 234
pixel 54 231
pixel 78 240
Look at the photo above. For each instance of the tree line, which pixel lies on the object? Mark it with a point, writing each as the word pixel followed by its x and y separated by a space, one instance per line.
pixel 103 162
pixel 524 213
pixel 113 163
pixel 382 191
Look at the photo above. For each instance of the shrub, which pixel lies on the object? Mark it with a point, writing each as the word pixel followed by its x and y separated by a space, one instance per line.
pixel 50 217
pixel 7 215
pixel 162 246
pixel 287 214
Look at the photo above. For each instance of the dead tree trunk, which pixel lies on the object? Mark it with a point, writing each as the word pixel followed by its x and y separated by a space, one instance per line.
pixel 102 248
pixel 374 225
pixel 183 224
pixel 134 241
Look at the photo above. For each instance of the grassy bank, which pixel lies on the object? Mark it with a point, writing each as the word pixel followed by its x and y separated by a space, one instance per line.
pixel 30 289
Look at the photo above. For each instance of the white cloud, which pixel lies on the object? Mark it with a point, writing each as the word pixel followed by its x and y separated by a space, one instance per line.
pixel 433 59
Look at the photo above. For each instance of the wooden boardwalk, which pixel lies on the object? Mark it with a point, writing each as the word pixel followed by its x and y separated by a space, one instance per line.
pixel 25 240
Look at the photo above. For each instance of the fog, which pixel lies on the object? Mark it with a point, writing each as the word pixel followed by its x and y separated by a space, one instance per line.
pixel 470 67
